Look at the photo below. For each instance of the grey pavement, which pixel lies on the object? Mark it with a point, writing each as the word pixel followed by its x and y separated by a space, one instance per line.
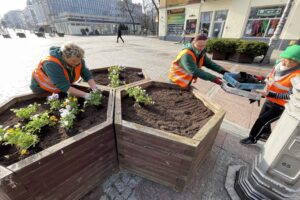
pixel 22 55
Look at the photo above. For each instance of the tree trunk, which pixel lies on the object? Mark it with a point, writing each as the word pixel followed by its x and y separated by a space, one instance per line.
pixel 278 30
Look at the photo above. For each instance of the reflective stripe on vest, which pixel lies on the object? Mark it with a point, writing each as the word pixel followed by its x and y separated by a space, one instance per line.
pixel 178 74
pixel 280 86
pixel 45 82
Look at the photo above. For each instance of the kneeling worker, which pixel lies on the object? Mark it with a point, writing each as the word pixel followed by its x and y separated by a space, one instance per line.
pixel 64 66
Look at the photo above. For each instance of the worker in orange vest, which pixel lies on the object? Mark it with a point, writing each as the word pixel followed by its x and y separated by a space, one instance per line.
pixel 277 92
pixel 64 66
pixel 187 67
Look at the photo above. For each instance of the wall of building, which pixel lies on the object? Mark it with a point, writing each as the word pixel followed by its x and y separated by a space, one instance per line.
pixel 237 17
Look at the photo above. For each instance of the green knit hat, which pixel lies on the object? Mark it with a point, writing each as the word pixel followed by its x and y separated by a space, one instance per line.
pixel 292 52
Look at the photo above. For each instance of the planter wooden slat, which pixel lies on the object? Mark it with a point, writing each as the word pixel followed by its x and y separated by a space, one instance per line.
pixel 161 156
pixel 163 161
pixel 11 187
pixel 70 168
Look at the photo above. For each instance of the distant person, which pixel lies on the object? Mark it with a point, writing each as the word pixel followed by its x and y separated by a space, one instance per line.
pixel 119 35
pixel 277 93
pixel 187 67
pixel 64 66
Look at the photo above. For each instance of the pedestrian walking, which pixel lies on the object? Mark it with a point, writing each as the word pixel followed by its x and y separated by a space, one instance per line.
pixel 120 34
pixel 187 67
pixel 277 92
pixel 64 66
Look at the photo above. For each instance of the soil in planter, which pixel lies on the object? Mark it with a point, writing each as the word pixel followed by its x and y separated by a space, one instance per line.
pixel 128 75
pixel 50 136
pixel 176 111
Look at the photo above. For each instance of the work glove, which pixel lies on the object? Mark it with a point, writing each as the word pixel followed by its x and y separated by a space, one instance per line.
pixel 259 78
pixel 87 96
pixel 95 89
pixel 218 81
pixel 223 71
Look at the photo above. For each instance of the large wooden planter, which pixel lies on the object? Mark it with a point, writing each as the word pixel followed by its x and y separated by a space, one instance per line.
pixel 217 55
pixel 66 170
pixel 105 72
pixel 241 57
pixel 162 156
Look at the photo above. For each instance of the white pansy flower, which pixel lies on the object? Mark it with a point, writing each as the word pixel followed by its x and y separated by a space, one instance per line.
pixel 68 107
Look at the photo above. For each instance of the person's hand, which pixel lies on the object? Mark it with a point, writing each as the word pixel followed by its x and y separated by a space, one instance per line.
pixel 262 92
pixel 87 96
pixel 95 89
pixel 218 81
pixel 259 77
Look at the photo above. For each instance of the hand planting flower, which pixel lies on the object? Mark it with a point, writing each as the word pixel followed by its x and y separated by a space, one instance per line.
pixel 140 96
pixel 25 113
pixel 95 99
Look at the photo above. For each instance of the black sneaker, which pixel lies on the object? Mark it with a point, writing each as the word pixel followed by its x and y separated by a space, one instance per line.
pixel 264 137
pixel 248 140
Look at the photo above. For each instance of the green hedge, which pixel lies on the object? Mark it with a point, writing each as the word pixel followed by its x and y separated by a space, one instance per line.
pixel 253 48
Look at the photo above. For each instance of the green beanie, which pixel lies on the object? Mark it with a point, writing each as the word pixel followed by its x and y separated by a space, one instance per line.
pixel 292 52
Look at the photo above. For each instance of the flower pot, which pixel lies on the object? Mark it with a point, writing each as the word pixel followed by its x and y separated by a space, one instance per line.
pixel 68 169
pixel 154 152
pixel 241 57
pixel 217 55
pixel 128 77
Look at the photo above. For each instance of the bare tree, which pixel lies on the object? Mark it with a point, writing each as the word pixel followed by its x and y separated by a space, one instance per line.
pixel 156 5
pixel 129 7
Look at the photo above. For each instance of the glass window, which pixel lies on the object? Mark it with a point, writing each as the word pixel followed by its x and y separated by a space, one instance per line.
pixel 205 21
pixel 262 22
pixel 219 23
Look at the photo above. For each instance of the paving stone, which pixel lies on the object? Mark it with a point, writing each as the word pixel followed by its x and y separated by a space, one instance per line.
pixel 119 185
pixel 125 177
pixel 119 197
pixel 112 192
pixel 126 193
pixel 110 181
pixel 104 197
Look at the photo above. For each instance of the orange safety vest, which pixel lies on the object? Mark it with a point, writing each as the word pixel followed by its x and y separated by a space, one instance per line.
pixel 283 85
pixel 178 74
pixel 45 82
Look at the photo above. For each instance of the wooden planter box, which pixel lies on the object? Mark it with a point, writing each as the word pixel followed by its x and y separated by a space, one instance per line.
pixel 216 55
pixel 162 156
pixel 104 71
pixel 40 34
pixel 21 35
pixel 241 58
pixel 61 34
pixel 66 170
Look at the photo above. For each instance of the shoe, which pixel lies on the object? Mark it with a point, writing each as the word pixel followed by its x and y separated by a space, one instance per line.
pixel 248 140
pixel 264 137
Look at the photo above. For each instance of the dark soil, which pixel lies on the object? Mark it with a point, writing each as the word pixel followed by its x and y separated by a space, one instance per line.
pixel 175 111
pixel 128 75
pixel 50 135
pixel 244 77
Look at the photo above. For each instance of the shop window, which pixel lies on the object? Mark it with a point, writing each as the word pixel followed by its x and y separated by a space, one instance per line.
pixel 205 21
pixel 176 18
pixel 262 22
pixel 219 22
pixel 191 26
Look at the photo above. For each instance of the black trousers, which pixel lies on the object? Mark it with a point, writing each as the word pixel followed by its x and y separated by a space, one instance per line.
pixel 269 113
pixel 120 36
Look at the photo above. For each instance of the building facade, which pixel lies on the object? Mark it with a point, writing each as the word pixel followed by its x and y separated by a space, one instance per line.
pixel 247 19
pixel 92 16
pixel 14 19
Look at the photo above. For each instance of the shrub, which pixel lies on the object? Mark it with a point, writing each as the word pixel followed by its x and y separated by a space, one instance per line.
pixel 221 45
pixel 253 48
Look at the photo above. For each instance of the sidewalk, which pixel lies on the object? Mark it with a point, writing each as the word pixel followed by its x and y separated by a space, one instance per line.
pixel 155 57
